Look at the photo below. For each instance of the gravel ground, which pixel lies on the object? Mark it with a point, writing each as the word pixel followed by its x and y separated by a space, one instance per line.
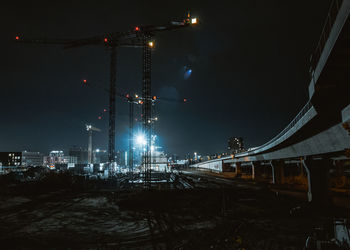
pixel 193 212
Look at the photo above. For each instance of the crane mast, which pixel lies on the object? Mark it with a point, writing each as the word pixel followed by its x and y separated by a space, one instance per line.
pixel 146 108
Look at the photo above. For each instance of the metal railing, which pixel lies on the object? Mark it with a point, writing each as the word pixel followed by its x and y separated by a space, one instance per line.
pixel 296 119
pixel 331 17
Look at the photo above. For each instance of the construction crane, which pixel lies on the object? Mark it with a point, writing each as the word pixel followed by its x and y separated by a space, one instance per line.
pixel 133 100
pixel 140 36
pixel 111 41
pixel 145 34
pixel 90 129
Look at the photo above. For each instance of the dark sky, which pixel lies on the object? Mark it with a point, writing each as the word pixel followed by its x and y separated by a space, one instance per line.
pixel 249 79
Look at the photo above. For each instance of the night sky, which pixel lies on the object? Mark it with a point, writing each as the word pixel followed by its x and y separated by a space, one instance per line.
pixel 249 62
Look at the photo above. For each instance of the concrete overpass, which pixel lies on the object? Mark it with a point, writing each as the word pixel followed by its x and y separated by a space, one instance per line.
pixel 320 134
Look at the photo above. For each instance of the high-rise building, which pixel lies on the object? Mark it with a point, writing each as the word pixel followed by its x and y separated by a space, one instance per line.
pixel 235 144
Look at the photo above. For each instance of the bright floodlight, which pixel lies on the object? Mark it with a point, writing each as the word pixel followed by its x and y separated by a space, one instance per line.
pixel 141 140
pixel 194 21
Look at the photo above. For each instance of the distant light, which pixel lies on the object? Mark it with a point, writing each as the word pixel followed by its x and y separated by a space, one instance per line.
pixel 137 96
pixel 100 117
pixel 84 81
pixel 106 39
pixel 104 110
pixel 17 37
pixel 194 21
pixel 151 44
pixel 156 119
pixel 185 100
pixel 97 150
pixel 137 28
pixel 154 98
pixel 188 72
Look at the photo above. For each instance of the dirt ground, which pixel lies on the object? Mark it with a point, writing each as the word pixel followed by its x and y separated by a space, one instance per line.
pixel 193 212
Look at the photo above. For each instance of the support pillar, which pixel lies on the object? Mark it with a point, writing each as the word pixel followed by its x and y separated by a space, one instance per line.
pixel 256 170
pixel 278 168
pixel 318 180
pixel 273 173
pixel 238 169
pixel 253 171
pixel 301 166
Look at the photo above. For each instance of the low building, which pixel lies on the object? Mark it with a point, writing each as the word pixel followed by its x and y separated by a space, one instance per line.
pixel 159 161
pixel 122 158
pixel 58 157
pixel 100 156
pixel 10 159
pixel 80 153
pixel 32 159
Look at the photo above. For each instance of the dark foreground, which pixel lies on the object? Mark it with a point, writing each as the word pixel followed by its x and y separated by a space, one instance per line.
pixel 195 212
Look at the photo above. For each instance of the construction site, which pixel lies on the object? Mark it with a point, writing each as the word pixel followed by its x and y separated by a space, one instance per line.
pixel 292 192
pixel 186 210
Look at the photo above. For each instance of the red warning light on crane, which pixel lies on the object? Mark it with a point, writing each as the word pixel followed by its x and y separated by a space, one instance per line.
pixel 17 37
pixel 137 28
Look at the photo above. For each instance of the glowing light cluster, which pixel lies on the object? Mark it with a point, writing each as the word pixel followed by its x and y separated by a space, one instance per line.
pixel 140 140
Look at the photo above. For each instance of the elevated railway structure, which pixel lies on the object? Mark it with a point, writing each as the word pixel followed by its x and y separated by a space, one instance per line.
pixel 319 136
